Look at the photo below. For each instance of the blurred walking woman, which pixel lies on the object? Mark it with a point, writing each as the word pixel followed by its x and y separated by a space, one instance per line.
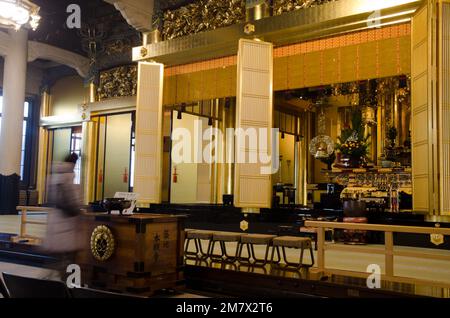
pixel 62 240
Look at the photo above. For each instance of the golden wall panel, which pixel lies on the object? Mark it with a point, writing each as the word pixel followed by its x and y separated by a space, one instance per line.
pixel 313 69
pixel 389 63
pixel 405 55
pixel 223 82
pixel 196 86
pixel 357 56
pixel 444 93
pixel 170 90
pixel 420 121
pixel 420 190
pixel 210 84
pixel 331 66
pixel 349 64
pixel 420 34
pixel 280 73
pixel 182 95
pixel 296 74
pixel 229 88
pixel 420 95
pixel 422 135
pixel 368 55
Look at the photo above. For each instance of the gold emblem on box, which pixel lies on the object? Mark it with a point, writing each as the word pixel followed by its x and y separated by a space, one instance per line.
pixel 102 243
pixel 437 239
pixel 244 225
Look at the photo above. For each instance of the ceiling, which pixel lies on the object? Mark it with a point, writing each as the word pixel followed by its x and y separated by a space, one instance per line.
pixel 171 4
pixel 115 37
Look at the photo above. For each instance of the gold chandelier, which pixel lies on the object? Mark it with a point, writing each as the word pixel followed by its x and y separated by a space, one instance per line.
pixel 17 13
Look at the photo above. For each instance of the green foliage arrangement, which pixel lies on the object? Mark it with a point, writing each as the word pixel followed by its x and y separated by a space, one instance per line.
pixel 352 142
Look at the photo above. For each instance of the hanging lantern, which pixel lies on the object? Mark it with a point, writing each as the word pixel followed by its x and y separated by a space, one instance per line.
pixel 322 146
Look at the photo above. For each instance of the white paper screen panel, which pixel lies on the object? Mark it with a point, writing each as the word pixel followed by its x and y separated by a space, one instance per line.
pixel 149 146
pixel 254 110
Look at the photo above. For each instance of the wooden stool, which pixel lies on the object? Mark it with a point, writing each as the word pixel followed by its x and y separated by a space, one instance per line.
pixel 197 236
pixel 222 238
pixel 301 243
pixel 250 240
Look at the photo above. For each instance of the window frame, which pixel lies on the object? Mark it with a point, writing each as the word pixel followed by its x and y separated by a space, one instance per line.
pixel 26 172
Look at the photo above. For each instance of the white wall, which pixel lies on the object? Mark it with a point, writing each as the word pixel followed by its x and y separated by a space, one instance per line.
pixel 194 184
pixel 66 95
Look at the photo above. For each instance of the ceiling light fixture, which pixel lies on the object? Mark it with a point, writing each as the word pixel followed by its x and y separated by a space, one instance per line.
pixel 17 13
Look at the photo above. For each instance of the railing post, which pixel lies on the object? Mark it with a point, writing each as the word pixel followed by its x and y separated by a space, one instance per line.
pixel 320 248
pixel 23 222
pixel 389 253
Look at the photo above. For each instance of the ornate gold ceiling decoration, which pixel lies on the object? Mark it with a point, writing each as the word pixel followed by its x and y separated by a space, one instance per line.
pixel 203 15
pixel 118 82
pixel 282 6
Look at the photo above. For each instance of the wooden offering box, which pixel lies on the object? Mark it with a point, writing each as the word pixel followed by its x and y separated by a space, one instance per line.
pixel 137 254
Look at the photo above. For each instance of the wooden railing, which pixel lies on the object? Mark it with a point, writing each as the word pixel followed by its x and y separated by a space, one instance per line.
pixel 388 251
pixel 25 210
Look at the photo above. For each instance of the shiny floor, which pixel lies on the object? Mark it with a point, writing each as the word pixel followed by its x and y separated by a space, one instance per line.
pixel 431 270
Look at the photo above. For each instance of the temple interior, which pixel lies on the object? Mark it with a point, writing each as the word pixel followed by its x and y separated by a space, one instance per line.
pixel 210 149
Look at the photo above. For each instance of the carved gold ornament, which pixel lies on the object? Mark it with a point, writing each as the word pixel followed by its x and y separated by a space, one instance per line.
pixel 118 82
pixel 282 6
pixel 244 225
pixel 144 52
pixel 437 239
pixel 249 28
pixel 102 243
pixel 200 16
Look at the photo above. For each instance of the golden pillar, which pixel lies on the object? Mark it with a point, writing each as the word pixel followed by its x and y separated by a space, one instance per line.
pixel 88 151
pixel 93 96
pixel 43 162
pixel 301 157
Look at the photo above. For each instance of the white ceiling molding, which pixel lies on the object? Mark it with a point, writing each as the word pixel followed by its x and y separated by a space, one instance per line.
pixel 37 50
pixel 4 43
pixel 138 13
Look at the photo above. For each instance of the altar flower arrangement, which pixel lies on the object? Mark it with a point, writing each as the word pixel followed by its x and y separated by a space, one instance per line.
pixel 353 144
pixel 355 148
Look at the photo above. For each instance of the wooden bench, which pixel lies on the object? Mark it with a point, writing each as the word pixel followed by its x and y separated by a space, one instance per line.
pixel 249 241
pixel 301 243
pixel 222 238
pixel 197 236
